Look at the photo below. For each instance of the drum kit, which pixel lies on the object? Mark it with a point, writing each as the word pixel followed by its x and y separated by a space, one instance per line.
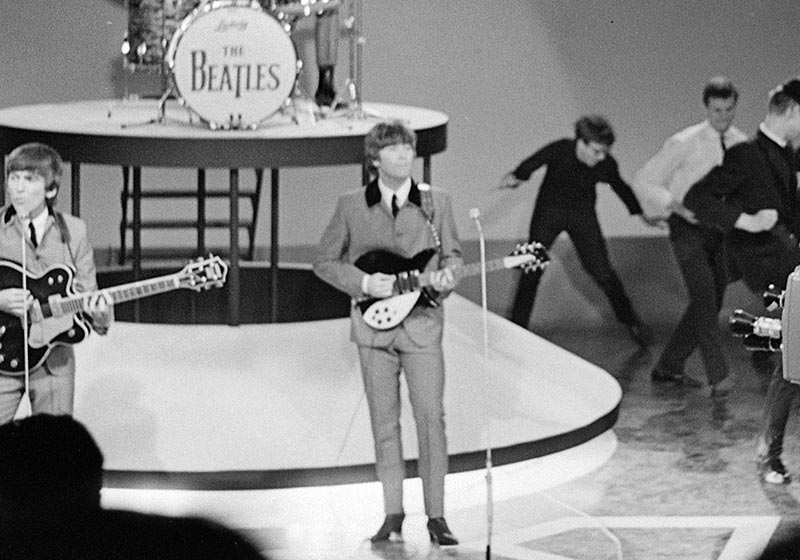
pixel 234 63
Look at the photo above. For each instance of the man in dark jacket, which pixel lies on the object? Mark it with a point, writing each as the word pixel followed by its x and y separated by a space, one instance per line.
pixel 752 198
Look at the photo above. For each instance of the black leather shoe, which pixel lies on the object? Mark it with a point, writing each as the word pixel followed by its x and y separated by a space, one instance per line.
pixel 391 530
pixel 440 532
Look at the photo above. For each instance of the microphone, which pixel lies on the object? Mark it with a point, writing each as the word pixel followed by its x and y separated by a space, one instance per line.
pixel 26 408
pixel 475 215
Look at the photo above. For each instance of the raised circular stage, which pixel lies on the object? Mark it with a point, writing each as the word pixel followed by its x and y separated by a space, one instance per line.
pixel 268 406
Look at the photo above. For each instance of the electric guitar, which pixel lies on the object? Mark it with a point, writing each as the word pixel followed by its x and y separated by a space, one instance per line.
pixel 411 286
pixel 56 317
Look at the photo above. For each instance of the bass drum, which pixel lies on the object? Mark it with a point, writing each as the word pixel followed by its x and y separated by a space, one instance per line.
pixel 232 63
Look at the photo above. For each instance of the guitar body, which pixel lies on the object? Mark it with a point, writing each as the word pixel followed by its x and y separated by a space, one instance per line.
pixel 383 314
pixel 45 333
pixel 411 286
pixel 387 262
pixel 56 316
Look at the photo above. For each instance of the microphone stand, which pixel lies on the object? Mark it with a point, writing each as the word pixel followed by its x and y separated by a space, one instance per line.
pixel 474 213
pixel 28 410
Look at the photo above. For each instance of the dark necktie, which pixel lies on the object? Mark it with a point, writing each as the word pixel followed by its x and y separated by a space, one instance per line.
pixel 395 208
pixel 722 143
pixel 32 231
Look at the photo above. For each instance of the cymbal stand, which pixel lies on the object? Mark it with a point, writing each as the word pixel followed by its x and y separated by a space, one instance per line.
pixel 354 24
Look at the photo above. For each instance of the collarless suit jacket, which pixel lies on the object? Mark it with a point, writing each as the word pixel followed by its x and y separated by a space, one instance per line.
pixel 362 223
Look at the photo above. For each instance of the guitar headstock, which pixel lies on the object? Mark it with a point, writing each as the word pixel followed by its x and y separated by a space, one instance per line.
pixel 530 256
pixel 203 273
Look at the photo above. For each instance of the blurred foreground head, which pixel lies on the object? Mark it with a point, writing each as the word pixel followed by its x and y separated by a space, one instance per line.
pixel 48 465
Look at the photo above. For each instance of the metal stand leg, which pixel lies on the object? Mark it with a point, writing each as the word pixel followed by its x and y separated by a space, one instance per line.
pixel 233 272
pixel 75 181
pixel 426 169
pixel 123 223
pixel 137 235
pixel 201 212
pixel 273 249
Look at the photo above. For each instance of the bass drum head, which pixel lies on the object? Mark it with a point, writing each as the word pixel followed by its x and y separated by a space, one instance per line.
pixel 232 64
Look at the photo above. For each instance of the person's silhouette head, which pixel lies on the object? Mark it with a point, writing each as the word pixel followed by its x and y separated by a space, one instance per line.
pixel 49 466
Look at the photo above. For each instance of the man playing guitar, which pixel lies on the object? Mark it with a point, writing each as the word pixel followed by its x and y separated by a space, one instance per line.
pixel 396 215
pixel 30 226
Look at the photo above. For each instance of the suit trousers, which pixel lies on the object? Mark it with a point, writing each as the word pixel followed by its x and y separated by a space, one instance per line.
pixel 586 236
pixel 424 371
pixel 700 253
pixel 50 394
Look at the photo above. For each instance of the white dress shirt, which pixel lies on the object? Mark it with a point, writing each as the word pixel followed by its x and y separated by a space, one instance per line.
pixel 685 158
pixel 386 197
pixel 39 223
pixel 401 193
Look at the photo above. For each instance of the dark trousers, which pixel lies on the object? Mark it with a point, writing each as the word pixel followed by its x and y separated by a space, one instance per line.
pixel 701 257
pixel 778 405
pixel 771 264
pixel 584 231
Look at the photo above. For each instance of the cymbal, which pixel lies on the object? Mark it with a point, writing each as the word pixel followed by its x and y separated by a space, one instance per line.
pixel 298 8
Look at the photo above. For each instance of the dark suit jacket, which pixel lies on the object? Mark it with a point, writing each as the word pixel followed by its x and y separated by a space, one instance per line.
pixel 754 175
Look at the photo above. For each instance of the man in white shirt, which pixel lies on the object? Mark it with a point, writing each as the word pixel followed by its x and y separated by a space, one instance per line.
pixel 753 199
pixel 660 185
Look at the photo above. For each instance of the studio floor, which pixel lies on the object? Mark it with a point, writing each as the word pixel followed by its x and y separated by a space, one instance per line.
pixel 675 478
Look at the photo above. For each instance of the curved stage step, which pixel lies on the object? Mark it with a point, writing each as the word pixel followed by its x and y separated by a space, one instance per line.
pixel 213 407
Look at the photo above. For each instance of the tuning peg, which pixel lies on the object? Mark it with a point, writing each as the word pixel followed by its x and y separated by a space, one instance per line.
pixel 742 323
pixel 773 297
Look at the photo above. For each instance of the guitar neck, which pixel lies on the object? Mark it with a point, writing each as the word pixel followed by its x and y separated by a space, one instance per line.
pixel 124 292
pixel 469 270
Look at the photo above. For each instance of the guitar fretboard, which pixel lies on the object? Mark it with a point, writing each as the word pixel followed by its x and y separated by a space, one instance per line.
pixel 470 270
pixel 125 292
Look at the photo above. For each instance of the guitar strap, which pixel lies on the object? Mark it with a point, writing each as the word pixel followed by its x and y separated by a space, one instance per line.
pixel 428 210
pixel 61 223
pixel 430 297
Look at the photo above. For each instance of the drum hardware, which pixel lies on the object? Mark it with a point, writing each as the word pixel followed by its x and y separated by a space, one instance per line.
pixel 290 11
pixel 326 39
pixel 353 24
pixel 154 47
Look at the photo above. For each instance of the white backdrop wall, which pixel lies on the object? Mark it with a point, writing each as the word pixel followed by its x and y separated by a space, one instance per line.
pixel 511 74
